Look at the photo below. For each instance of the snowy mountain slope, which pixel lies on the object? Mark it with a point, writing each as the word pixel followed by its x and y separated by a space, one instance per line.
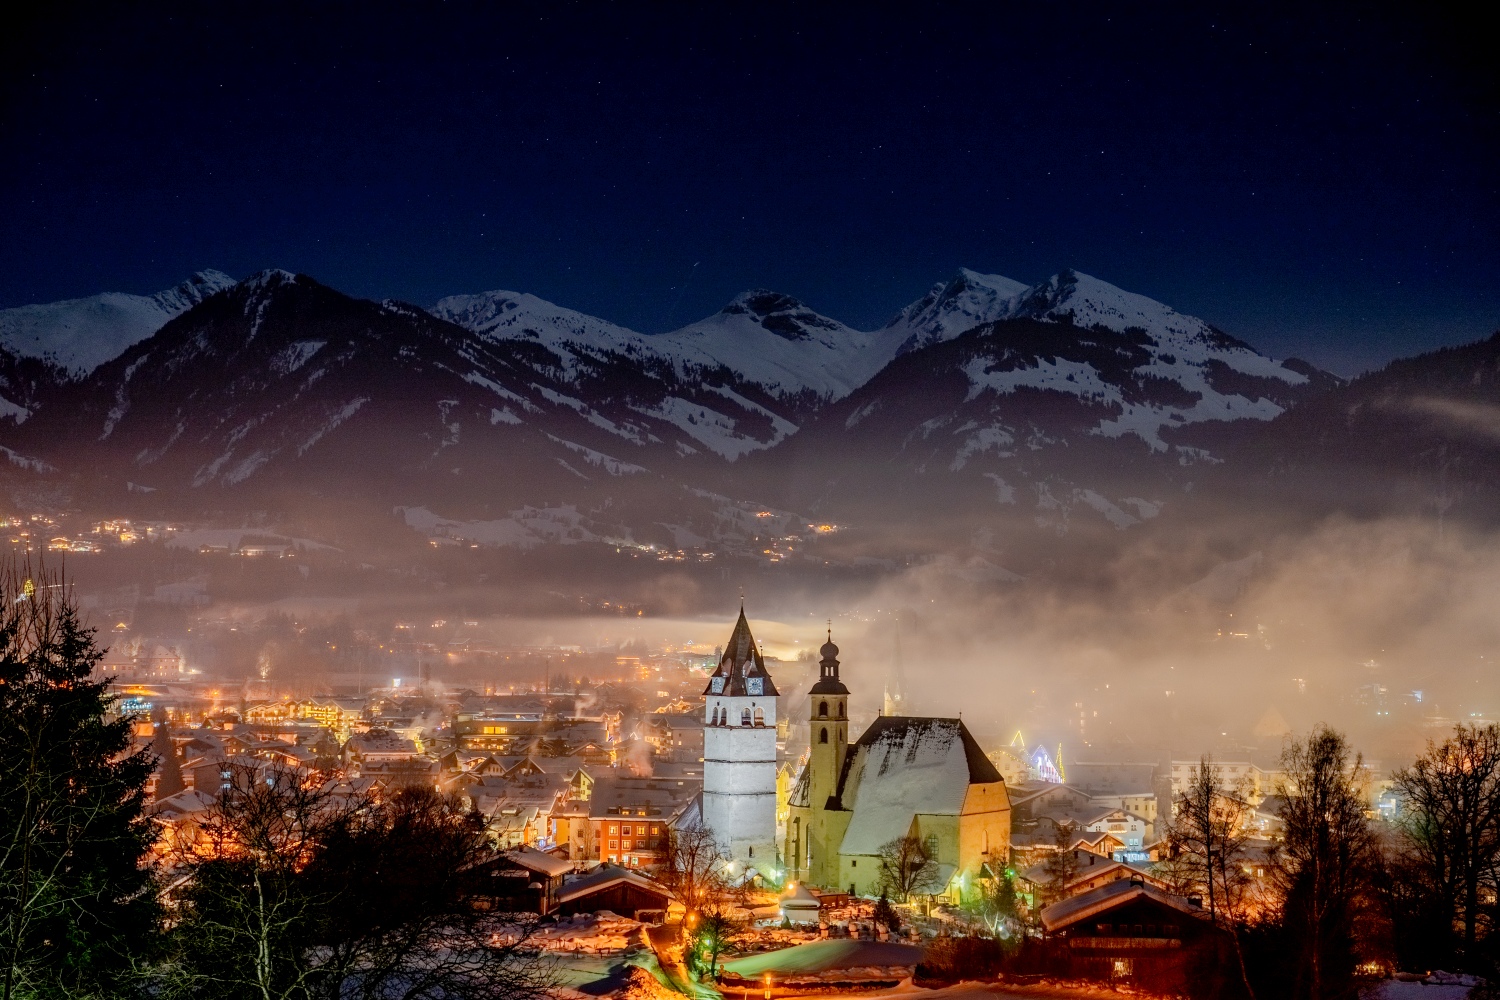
pixel 78 335
pixel 956 306
pixel 1202 373
pixel 1037 412
pixel 739 381
pixel 1063 402
pixel 282 383
pixel 777 342
pixel 761 338
pixel 800 360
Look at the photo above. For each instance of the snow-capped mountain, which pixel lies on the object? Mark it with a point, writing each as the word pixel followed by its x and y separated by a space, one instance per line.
pixel 952 307
pixel 777 342
pixel 282 383
pixel 1077 395
pixel 1069 395
pixel 79 335
pixel 739 381
pixel 761 337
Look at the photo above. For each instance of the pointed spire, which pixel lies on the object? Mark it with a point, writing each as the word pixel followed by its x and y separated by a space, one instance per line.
pixel 741 658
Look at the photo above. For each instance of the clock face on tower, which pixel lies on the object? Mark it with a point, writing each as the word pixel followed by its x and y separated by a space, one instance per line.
pixel 753 685
pixel 718 685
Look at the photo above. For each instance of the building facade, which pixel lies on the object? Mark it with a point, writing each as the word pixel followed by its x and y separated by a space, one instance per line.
pixel 904 777
pixel 739 752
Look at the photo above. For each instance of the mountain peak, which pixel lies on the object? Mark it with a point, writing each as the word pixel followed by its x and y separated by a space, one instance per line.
pixel 968 299
pixel 271 277
pixel 78 335
pixel 779 313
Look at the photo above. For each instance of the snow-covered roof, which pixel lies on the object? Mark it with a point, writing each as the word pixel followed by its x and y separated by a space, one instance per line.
pixel 906 766
pixel 1088 905
pixel 184 803
pixel 539 861
pixel 603 877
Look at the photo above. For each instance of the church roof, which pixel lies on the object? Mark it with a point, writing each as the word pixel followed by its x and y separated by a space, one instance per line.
pixel 905 766
pixel 741 662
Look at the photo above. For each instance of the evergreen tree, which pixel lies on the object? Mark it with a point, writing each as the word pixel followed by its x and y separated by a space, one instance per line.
pixel 885 914
pixel 168 770
pixel 76 901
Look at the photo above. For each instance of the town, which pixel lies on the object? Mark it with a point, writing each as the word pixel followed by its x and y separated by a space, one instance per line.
pixel 677 782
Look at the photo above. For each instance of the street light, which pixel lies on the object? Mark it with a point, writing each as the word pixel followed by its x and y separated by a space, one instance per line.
pixel 768 986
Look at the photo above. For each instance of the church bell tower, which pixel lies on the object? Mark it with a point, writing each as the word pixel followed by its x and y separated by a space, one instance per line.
pixel 739 753
pixel 818 819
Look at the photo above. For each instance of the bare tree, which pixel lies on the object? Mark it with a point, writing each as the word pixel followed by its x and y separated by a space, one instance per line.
pixel 907 868
pixel 299 890
pixel 1060 867
pixel 1207 845
pixel 695 870
pixel 1324 865
pixel 1452 826
pixel 1207 840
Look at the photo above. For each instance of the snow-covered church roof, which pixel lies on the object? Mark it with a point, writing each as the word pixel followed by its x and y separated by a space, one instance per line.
pixel 903 767
pixel 740 665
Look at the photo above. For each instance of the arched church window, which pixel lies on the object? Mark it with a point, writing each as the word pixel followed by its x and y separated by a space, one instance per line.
pixel 841 710
pixel 744 717
pixel 760 717
pixel 823 735
pixel 822 709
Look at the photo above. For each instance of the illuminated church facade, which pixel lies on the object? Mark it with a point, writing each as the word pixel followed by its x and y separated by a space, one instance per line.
pixel 904 775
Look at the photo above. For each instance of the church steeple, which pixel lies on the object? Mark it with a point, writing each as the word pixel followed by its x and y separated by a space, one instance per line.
pixel 739 752
pixel 828 669
pixel 742 669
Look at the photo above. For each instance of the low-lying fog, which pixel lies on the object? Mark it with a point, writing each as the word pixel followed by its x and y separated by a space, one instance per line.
pixel 1386 629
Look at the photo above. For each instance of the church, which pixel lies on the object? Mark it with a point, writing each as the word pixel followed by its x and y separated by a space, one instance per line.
pixel 904 775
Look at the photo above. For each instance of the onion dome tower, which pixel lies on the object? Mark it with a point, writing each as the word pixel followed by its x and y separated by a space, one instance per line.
pixel 829 704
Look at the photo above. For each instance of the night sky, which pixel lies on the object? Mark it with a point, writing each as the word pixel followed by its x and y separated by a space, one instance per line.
pixel 1322 185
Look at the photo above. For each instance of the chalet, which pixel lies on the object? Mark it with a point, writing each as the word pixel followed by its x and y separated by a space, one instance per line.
pixel 521 880
pixel 1125 827
pixel 377 749
pixel 1091 871
pixel 676 737
pixel 1134 932
pixel 619 890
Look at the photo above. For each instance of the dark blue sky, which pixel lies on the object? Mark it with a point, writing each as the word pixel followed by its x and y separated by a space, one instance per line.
pixel 1320 184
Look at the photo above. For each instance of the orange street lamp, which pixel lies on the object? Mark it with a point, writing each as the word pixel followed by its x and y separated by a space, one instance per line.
pixel 768 986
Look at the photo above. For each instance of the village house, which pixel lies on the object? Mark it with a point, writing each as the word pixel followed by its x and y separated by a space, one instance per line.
pixel 632 817
pixel 1135 932
pixel 1090 871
